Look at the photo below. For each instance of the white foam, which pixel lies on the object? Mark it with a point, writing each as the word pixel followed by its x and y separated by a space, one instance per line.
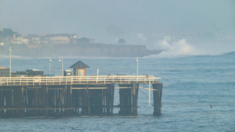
pixel 176 49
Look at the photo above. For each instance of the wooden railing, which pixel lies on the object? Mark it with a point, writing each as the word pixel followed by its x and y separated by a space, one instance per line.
pixel 70 80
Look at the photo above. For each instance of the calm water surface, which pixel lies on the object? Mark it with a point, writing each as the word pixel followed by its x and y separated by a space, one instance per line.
pixel 191 85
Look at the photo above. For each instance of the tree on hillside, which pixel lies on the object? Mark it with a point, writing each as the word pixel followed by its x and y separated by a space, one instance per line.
pixel 6 32
pixel 121 41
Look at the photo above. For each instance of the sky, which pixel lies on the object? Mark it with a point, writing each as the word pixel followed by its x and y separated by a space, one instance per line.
pixel 137 21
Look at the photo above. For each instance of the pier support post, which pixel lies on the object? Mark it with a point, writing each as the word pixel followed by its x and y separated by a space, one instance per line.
pixel 85 101
pixel 134 99
pixel 50 101
pixel 36 101
pixel 1 103
pixel 135 87
pixel 22 101
pixel 15 102
pixel 112 96
pixel 87 98
pixel 157 95
pixel 70 100
pixel 76 100
pixel 9 102
pixel 40 101
pixel 65 100
pixel 97 99
pixel 128 99
pixel 125 100
pixel 47 100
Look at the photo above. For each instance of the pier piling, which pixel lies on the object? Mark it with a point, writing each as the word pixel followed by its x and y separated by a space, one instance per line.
pixel 65 96
pixel 157 95
pixel 128 94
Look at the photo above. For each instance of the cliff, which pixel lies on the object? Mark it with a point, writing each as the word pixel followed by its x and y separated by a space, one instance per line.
pixel 78 50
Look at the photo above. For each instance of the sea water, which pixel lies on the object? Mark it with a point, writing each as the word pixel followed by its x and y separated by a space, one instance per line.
pixel 198 95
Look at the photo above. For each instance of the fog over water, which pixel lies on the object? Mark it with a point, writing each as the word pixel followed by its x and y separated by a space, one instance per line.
pixel 198 82
pixel 195 27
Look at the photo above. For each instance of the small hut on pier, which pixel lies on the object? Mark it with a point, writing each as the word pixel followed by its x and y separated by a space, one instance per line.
pixel 79 68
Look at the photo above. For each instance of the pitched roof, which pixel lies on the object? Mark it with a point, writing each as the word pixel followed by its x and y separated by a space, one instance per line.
pixel 79 64
pixel 1 67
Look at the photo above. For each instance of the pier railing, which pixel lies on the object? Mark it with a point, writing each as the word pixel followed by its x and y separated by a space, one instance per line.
pixel 72 80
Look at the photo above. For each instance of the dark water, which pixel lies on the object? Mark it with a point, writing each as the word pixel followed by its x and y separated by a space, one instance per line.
pixel 191 85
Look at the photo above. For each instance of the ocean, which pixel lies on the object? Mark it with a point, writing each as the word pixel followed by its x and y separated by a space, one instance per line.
pixel 198 95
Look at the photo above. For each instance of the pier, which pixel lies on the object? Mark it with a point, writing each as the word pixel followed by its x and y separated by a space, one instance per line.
pixel 75 95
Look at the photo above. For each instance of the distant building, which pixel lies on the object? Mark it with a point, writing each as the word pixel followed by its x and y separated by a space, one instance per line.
pixel 59 40
pixel 34 39
pixel 19 39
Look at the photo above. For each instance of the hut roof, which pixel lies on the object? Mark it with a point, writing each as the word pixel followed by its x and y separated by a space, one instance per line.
pixel 79 64
pixel 1 67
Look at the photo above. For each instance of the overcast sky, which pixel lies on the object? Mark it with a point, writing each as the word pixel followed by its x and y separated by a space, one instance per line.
pixel 108 20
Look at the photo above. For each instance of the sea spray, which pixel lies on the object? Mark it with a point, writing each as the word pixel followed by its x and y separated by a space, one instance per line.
pixel 175 49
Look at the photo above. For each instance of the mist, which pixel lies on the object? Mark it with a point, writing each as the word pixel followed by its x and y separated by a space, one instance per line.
pixel 203 25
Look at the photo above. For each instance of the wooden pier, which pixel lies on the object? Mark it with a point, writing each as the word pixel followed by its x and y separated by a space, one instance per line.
pixel 74 95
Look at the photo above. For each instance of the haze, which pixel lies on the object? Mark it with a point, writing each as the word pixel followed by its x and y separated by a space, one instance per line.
pixel 138 22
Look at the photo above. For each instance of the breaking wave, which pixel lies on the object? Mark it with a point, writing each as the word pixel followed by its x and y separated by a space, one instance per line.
pixel 175 49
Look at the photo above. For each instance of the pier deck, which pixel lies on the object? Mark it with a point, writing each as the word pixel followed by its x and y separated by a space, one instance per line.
pixel 74 95
pixel 74 80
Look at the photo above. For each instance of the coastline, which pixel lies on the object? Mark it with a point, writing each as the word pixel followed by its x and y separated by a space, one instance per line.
pixel 76 50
